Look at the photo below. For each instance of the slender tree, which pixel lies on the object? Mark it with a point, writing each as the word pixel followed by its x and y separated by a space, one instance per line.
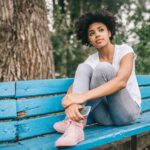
pixel 25 48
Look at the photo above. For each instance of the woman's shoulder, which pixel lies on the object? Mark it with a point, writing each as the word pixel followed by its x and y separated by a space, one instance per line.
pixel 124 46
pixel 124 49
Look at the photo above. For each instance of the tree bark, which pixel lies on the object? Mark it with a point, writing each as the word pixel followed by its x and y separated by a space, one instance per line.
pixel 25 48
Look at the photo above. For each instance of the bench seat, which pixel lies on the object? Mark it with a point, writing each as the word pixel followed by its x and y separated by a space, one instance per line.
pixel 34 128
pixel 95 135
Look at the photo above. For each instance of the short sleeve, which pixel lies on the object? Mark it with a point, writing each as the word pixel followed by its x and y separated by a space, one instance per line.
pixel 92 60
pixel 125 49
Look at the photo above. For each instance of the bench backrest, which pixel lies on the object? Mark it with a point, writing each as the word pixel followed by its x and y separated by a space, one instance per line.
pixel 30 108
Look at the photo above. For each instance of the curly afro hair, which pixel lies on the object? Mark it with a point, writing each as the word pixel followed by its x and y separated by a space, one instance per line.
pixel 102 15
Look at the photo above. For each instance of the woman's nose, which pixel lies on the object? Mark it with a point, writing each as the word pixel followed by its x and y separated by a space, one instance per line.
pixel 97 34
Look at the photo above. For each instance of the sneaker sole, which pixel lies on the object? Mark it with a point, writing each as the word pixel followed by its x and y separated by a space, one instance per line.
pixel 65 146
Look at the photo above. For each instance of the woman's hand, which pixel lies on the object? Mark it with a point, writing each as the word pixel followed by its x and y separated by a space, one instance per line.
pixel 73 98
pixel 73 112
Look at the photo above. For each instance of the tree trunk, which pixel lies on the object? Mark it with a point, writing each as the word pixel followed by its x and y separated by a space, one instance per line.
pixel 25 48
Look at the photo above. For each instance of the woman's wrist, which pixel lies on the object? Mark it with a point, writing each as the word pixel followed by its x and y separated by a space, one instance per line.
pixel 87 96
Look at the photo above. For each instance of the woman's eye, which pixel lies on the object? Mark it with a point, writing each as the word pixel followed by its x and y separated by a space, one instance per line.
pixel 91 34
pixel 101 29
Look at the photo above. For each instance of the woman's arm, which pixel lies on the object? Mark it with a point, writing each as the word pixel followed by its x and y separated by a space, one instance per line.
pixel 117 83
pixel 70 89
pixel 72 111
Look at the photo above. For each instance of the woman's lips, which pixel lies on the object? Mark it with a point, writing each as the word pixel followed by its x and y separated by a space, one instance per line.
pixel 99 41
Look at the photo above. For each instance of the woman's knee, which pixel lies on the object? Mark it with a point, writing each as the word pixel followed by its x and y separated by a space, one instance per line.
pixel 84 69
pixel 104 69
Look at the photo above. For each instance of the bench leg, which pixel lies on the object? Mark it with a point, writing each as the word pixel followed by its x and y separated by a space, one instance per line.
pixel 134 142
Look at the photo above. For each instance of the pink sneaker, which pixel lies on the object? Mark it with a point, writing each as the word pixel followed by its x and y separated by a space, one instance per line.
pixel 72 136
pixel 61 125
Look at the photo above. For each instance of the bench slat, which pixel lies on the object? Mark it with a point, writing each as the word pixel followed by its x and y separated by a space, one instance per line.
pixel 143 79
pixel 13 146
pixel 37 126
pixel 145 92
pixel 42 87
pixel 8 109
pixel 30 144
pixel 8 131
pixel 45 105
pixel 146 105
pixel 53 86
pixel 100 137
pixel 38 106
pixel 94 135
pixel 45 143
pixel 43 125
pixel 7 89
pixel 24 123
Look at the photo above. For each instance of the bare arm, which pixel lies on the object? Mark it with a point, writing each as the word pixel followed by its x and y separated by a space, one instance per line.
pixel 72 111
pixel 70 89
pixel 117 83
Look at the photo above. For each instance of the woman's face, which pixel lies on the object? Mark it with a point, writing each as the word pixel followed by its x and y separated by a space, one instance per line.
pixel 98 35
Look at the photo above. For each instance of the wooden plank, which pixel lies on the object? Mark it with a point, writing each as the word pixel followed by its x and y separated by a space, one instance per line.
pixel 146 105
pixel 38 106
pixel 37 126
pixel 45 105
pixel 25 127
pixel 44 143
pixel 94 135
pixel 13 146
pixel 42 87
pixel 43 125
pixel 143 79
pixel 7 89
pixel 38 143
pixel 8 131
pixel 8 109
pixel 145 92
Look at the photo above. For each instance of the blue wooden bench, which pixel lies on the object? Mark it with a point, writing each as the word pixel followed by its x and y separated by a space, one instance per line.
pixel 28 110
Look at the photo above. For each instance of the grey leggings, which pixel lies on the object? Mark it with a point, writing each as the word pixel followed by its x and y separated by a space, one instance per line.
pixel 115 109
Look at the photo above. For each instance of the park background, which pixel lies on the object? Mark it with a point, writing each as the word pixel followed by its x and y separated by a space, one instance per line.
pixel 37 39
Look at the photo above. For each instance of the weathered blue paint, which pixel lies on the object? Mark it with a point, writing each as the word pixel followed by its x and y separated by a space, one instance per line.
pixel 143 79
pixel 37 108
pixel 8 109
pixel 8 130
pixel 94 135
pixel 145 91
pixel 146 105
pixel 37 126
pixel 42 87
pixel 7 89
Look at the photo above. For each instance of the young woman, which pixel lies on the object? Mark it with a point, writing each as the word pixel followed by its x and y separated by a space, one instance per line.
pixel 106 81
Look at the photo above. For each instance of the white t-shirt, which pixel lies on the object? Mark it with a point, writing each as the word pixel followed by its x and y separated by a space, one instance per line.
pixel 120 52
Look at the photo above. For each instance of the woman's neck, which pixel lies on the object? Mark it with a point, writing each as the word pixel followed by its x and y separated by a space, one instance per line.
pixel 106 53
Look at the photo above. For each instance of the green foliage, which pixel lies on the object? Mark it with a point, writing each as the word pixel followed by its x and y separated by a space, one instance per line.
pixel 143 49
pixel 142 31
pixel 68 52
